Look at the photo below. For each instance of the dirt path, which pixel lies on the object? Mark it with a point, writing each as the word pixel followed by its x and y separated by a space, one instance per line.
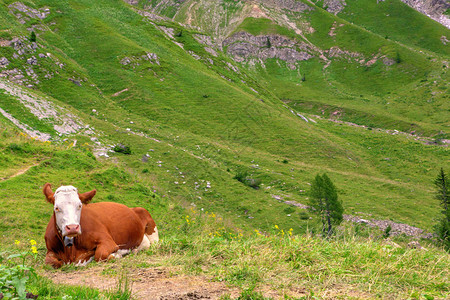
pixel 146 283
pixel 19 172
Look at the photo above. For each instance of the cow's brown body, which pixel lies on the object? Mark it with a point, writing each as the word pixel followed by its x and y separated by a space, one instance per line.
pixel 105 228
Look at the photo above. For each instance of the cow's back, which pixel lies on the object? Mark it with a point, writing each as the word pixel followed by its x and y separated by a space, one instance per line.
pixel 118 220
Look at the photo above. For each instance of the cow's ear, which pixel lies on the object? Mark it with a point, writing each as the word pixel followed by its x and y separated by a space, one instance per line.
pixel 49 195
pixel 86 197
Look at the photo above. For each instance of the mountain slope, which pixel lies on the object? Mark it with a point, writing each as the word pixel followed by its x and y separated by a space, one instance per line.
pixel 193 115
pixel 204 92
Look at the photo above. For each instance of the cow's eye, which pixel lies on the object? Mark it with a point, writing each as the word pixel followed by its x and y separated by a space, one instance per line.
pixel 57 209
pixel 79 206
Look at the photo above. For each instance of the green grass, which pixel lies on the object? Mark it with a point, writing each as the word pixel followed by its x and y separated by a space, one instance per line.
pixel 190 126
pixel 262 26
pixel 347 265
pixel 210 240
pixel 206 136
pixel 397 21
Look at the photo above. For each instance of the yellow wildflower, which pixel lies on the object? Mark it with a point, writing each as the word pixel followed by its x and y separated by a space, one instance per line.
pixel 34 249
pixel 17 242
pixel 32 242
pixel 276 226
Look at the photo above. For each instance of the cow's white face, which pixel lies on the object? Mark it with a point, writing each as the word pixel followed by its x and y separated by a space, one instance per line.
pixel 67 209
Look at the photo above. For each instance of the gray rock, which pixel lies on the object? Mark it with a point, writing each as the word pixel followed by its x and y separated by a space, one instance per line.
pixel 30 12
pixel 396 228
pixel 153 57
pixel 32 61
pixel 244 45
pixel 388 61
pixel 334 6
pixel 292 5
pixel 435 9
pixel 4 43
pixel 125 61
pixel 77 82
pixel 4 62
pixel 414 245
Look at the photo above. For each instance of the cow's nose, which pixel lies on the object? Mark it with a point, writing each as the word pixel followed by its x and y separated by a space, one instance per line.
pixel 72 229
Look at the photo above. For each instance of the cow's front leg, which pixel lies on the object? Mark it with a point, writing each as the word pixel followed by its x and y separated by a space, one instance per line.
pixel 84 258
pixel 105 249
pixel 52 259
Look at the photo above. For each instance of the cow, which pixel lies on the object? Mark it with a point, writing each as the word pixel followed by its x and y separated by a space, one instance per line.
pixel 79 231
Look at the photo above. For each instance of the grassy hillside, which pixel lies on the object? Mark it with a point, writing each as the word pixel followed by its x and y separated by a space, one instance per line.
pixel 177 112
pixel 194 120
pixel 198 242
pixel 397 21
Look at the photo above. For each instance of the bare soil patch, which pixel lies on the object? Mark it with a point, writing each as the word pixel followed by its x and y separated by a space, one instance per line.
pixel 19 172
pixel 149 283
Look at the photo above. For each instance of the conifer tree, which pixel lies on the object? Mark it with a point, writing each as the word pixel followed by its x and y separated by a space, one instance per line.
pixel 33 37
pixel 442 194
pixel 324 202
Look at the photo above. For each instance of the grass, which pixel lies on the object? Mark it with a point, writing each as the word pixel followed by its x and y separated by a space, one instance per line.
pixel 347 265
pixel 399 22
pixel 313 264
pixel 204 137
pixel 262 26
pixel 200 241
pixel 198 122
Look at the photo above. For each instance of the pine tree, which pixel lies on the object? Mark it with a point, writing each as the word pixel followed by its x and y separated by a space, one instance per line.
pixel 398 59
pixel 442 194
pixel 33 37
pixel 324 202
pixel 268 43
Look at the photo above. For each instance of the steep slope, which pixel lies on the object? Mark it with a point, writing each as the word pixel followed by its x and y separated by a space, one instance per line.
pixel 365 54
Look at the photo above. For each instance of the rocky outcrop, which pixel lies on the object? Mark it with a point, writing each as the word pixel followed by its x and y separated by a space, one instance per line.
pixel 139 59
pixel 334 6
pixel 396 228
pixel 62 120
pixel 24 13
pixel 4 62
pixel 435 9
pixel 243 46
pixel 292 5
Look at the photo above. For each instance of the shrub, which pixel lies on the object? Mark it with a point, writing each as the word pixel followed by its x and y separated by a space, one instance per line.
pixel 387 232
pixel 289 210
pixel 244 177
pixel 122 149
pixel 303 215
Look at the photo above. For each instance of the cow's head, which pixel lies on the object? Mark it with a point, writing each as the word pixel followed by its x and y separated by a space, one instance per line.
pixel 67 203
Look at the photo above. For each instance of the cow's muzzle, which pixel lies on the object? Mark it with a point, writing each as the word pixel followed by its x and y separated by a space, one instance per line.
pixel 72 230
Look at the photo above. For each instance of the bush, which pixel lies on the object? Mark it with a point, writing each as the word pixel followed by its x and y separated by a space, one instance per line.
pixel 289 210
pixel 303 215
pixel 387 232
pixel 245 178
pixel 122 149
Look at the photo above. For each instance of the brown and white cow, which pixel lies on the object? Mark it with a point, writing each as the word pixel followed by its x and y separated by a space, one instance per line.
pixel 79 231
